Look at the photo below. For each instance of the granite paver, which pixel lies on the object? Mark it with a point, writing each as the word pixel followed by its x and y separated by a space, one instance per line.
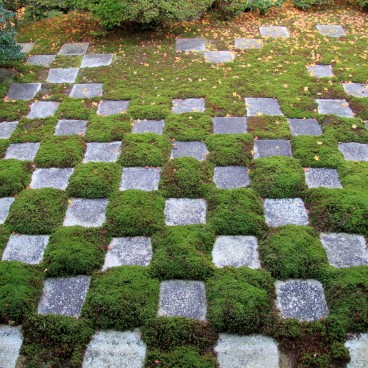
pixel 230 177
pixel 140 178
pixel 51 178
pixel 184 211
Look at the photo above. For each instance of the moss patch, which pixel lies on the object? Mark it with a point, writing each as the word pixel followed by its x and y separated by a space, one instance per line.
pixel 269 127
pixel 34 130
pixel 107 128
pixel 14 176
pixel 353 175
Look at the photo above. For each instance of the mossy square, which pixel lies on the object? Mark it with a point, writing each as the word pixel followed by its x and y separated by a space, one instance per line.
pixel 183 299
pixel 231 125
pixel 64 296
pixel 62 75
pixel 43 109
pixel 230 177
pixel 320 71
pixel 303 300
pixel 262 106
pixel 11 340
pixel 109 107
pixel 71 127
pixel 7 128
pixel 140 178
pixel 51 178
pixel 184 211
pixel 189 105
pixel 274 32
pixel 74 48
pixel 272 147
pixel 23 91
pixel 88 90
pixel 190 44
pixel 102 152
pixel 197 150
pixel 358 346
pixel 148 126
pixel 304 127
pixel 354 151
pixel 331 30
pixel 41 60
pixel 359 90
pixel 219 57
pixel 248 43
pixel 319 177
pixel 26 47
pixel 334 107
pixel 22 151
pixel 96 60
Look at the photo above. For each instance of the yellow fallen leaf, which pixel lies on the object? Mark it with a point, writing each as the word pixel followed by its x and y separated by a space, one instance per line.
pixel 316 158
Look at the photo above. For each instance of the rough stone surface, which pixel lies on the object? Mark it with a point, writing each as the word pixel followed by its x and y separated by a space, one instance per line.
pixel 236 251
pixel 7 128
pixel 115 349
pixel 262 106
pixel 5 204
pixel 109 107
pixel 303 300
pixel 190 44
pixel 304 127
pixel 184 211
pixel 285 211
pixel 26 47
pixel 148 126
pixel 43 109
pixel 74 49
pixel 69 127
pixel 86 90
pixel 64 295
pixel 219 57
pixel 274 32
pixel 26 248
pixel 51 178
pixel 231 125
pixel 198 150
pixel 328 178
pixel 22 151
pixel 86 212
pixel 135 251
pixel 189 105
pixel 320 71
pixel 354 151
pixel 254 351
pixel 229 177
pixel 356 89
pixel 272 147
pixel 102 152
pixel 140 178
pixel 62 75
pixel 335 107
pixel 41 60
pixel 96 60
pixel 358 348
pixel 331 30
pixel 345 250
pixel 23 91
pixel 248 43
pixel 183 299
pixel 11 340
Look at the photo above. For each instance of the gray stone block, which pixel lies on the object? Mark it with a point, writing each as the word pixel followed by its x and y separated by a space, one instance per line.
pixel 229 177
pixel 23 91
pixel 7 128
pixel 102 152
pixel 74 48
pixel 62 75
pixel 43 109
pixel 328 178
pixel 262 106
pixel 70 127
pixel 231 125
pixel 86 90
pixel 11 340
pixel 5 204
pixel 274 32
pixel 26 47
pixel 304 127
pixel 272 147
pixel 335 107
pixel 197 150
pixel 330 30
pixel 184 211
pixel 109 107
pixel 359 90
pixel 183 299
pixel 358 349
pixel 189 105
pixel 140 178
pixel 354 151
pixel 248 43
pixel 96 60
pixel 320 71
pixel 51 178
pixel 148 126
pixel 219 57
pixel 22 151
pixel 190 44
pixel 41 60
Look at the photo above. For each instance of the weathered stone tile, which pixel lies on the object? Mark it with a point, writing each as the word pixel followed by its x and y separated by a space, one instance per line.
pixel 22 151
pixel 102 152
pixel 189 105
pixel 43 109
pixel 23 91
pixel 41 60
pixel 5 204
pixel 229 177
pixel 74 48
pixel 219 57
pixel 331 30
pixel 320 71
pixel 140 178
pixel 328 178
pixel 86 90
pixel 248 43
pixel 358 349
pixel 11 340
pixel 148 126
pixel 7 128
pixel 62 75
pixel 51 178
pixel 231 125
pixel 334 107
pixel 272 147
pixel 274 32
pixel 70 127
pixel 96 60
pixel 356 89
pixel 26 47
pixel 262 106
pixel 184 211
pixel 354 151
pixel 304 127
pixel 190 44
pixel 197 150
pixel 110 107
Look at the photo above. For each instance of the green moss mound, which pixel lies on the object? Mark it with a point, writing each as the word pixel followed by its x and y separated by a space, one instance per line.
pixel 353 175
pixel 107 128
pixel 269 127
pixel 34 130
pixel 14 176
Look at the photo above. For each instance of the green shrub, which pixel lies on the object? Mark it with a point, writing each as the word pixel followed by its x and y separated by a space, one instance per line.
pixel 34 130
pixel 305 4
pixel 13 5
pixel 107 128
pixel 265 5
pixel 231 8
pixel 41 9
pixel 14 176
pixel 269 127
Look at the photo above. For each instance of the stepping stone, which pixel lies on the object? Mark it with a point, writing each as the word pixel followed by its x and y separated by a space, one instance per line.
pixel 356 89
pixel 345 250
pixel 274 32
pixel 272 147
pixel 64 295
pixel 358 347
pixel 7 128
pixel 43 109
pixel 354 151
pixel 96 60
pixel 230 177
pixel 248 43
pixel 51 178
pixel 115 349
pixel 335 107
pixel 184 211
pixel 5 204
pixel 320 71
pixel 41 60
pixel 189 105
pixel 330 30
pixel 148 126
pixel 140 178
pixel 304 127
pixel 136 251
pixel 70 127
pixel 316 178
pixel 198 150
pixel 219 57
pixel 102 152
pixel 23 91
pixel 26 248
pixel 285 211
pixel 26 47
pixel 232 125
pixel 190 44
pixel 62 75
pixel 11 340
pixel 262 106
pixel 86 90
pixel 22 151
pixel 236 251
pixel 254 351
pixel 106 108
pixel 183 299
pixel 74 48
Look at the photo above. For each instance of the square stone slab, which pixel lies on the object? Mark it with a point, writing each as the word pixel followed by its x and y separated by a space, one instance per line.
pixel 64 295
pixel 304 127
pixel 23 91
pixel 86 90
pixel 140 178
pixel 262 106
pixel 345 250
pixel 74 48
pixel 184 211
pixel 62 75
pixel 303 300
pixel 96 60
pixel 7 128
pixel 102 152
pixel 43 109
pixel 248 43
pixel 26 47
pixel 328 178
pixel 189 105
pixel 5 204
pixel 51 178
pixel 190 44
pixel 41 60
pixel 135 251
pixel 148 126
pixel 358 347
pixel 11 340
pixel 320 71
pixel 285 211
pixel 183 299
pixel 330 30
pixel 354 151
pixel 22 151
pixel 219 57
pixel 26 248
pixel 231 125
pixel 236 251
pixel 229 177
pixel 274 32
pixel 356 89
pixel 70 127
pixel 198 150
pixel 115 349
pixel 86 212
pixel 272 147
pixel 254 351
pixel 107 107
pixel 335 107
